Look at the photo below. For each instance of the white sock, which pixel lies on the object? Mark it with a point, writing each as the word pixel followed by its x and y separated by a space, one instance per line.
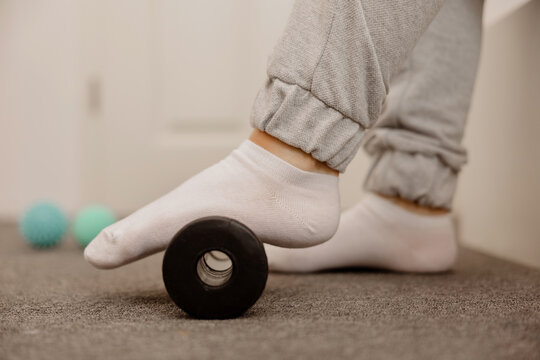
pixel 282 205
pixel 377 233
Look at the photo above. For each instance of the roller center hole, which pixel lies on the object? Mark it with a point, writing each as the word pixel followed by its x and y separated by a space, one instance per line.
pixel 214 268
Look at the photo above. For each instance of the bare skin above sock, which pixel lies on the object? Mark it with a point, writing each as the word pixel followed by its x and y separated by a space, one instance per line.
pixel 282 204
pixel 379 234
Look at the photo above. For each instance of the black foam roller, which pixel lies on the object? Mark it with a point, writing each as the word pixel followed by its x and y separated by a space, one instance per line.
pixel 246 279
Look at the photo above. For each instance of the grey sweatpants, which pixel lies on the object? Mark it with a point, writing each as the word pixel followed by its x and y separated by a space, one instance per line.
pixel 403 68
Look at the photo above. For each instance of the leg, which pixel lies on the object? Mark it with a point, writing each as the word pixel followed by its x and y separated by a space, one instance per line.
pixel 417 155
pixel 328 79
pixel 416 146
pixel 329 74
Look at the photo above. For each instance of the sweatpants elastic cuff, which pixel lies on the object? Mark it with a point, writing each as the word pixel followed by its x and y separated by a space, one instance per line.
pixel 422 179
pixel 296 117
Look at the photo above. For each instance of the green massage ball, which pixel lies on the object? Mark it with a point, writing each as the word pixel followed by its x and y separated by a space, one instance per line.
pixel 43 225
pixel 90 221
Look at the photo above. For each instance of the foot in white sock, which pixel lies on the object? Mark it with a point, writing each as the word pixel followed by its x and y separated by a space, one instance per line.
pixel 379 234
pixel 282 204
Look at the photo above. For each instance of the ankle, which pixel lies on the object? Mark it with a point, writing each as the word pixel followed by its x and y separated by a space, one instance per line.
pixel 290 154
pixel 413 207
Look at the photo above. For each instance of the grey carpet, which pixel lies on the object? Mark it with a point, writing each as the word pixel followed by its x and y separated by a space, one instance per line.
pixel 55 306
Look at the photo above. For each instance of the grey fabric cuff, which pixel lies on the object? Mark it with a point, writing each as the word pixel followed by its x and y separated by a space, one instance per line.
pixel 295 116
pixel 419 178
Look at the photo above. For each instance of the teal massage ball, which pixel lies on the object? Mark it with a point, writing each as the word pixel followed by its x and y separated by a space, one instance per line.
pixel 90 221
pixel 43 225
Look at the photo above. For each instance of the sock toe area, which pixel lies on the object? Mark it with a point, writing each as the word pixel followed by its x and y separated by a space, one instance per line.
pixel 101 253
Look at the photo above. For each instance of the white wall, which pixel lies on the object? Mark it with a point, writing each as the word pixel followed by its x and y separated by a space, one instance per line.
pixel 40 104
pixel 498 200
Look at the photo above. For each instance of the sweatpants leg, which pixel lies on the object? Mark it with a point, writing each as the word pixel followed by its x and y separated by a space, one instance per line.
pixel 416 145
pixel 329 74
